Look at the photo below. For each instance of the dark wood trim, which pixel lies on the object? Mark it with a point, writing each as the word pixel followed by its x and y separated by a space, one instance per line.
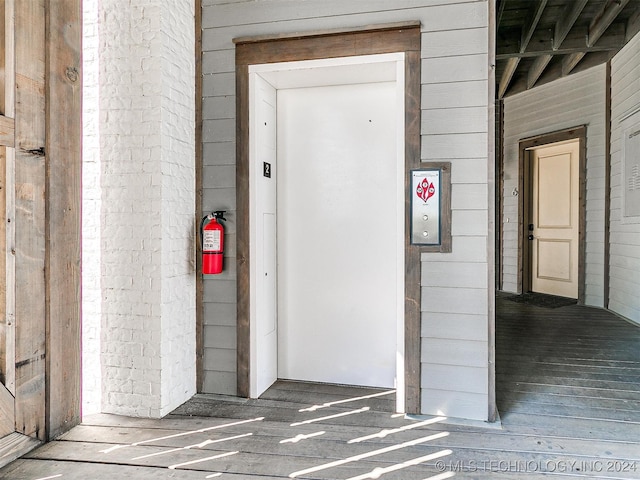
pixel 554 137
pixel 362 42
pixel 492 253
pixel 500 194
pixel 243 234
pixel 198 205
pixel 445 208
pixel 524 186
pixel 607 187
pixel 327 32
pixel 412 261
pixel 524 277
pixel 582 217
pixel 63 227
pixel 315 45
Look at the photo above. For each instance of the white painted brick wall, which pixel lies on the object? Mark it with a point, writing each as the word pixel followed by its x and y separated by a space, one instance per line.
pixel 148 194
pixel 178 202
pixel 91 204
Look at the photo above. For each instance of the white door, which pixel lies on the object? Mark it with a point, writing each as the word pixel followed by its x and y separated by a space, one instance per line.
pixel 337 234
pixel 554 219
pixel 264 343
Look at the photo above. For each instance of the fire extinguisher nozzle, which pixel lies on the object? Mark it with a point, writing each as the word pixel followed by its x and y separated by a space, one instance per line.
pixel 219 214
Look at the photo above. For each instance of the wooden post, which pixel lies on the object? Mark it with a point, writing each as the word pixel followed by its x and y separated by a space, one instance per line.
pixel 3 209
pixel 607 189
pixel 46 278
pixel 30 218
pixel 7 213
pixel 492 411
pixel 198 206
pixel 63 223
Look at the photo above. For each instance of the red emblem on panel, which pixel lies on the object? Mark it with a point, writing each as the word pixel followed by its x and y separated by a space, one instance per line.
pixel 425 190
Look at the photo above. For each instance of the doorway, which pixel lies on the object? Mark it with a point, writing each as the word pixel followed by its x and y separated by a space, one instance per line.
pixel 553 212
pixel 331 46
pixel 553 227
pixel 327 221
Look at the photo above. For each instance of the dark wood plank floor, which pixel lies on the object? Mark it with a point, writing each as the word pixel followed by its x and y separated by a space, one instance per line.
pixel 568 393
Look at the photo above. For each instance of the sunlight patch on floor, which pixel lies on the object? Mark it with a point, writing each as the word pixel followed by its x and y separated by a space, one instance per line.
pixel 373 453
pixel 181 434
pixel 348 400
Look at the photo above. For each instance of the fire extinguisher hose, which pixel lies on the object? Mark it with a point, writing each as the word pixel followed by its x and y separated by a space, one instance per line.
pixel 204 219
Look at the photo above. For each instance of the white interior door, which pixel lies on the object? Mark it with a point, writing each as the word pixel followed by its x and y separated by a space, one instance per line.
pixel 337 233
pixel 264 342
pixel 555 200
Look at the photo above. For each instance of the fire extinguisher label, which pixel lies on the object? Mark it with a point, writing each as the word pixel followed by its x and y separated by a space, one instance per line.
pixel 211 240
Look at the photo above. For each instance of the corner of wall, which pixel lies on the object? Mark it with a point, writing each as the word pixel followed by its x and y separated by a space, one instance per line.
pixel 147 194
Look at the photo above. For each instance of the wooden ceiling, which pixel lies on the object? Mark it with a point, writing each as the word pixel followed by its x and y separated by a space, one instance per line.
pixel 539 41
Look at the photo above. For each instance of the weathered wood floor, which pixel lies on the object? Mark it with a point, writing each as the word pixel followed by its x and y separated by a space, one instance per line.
pixel 568 393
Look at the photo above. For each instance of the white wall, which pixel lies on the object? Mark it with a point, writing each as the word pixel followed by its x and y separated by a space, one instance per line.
pixel 91 205
pixel 625 237
pixel 455 286
pixel 177 137
pixel 575 100
pixel 146 131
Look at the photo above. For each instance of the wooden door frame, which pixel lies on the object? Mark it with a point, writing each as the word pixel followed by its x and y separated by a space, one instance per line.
pixel 399 37
pixel 525 188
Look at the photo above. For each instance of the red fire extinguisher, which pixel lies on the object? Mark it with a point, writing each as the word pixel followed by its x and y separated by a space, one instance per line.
pixel 212 239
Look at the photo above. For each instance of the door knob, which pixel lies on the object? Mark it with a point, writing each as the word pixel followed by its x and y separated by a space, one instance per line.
pixel 530 237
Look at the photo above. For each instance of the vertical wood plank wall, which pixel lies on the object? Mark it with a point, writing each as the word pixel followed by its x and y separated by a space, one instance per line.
pixel 30 181
pixel 625 237
pixel 569 102
pixel 454 128
pixel 44 287
pixel 63 95
pixel 7 195
pixel 7 154
pixel 4 327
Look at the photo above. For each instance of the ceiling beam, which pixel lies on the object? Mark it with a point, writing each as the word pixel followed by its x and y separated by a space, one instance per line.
pixel 554 72
pixel 613 45
pixel 570 61
pixel 542 43
pixel 536 69
pixel 500 12
pixel 507 75
pixel 566 21
pixel 527 32
pixel 633 26
pixel 534 18
pixel 605 18
pixel 598 26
